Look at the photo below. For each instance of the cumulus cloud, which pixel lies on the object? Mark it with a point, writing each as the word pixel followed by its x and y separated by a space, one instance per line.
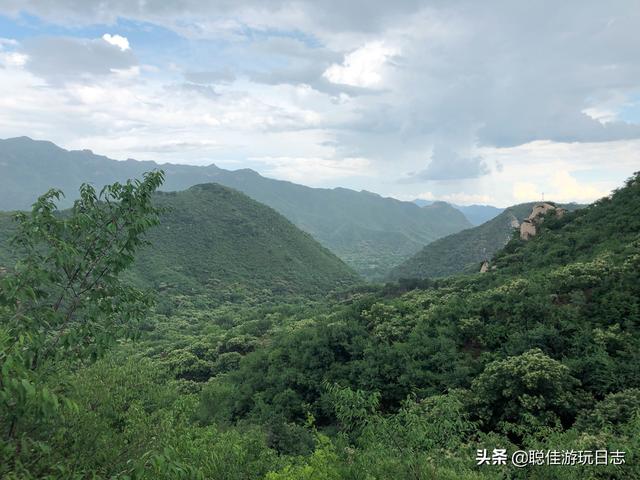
pixel 119 41
pixel 362 67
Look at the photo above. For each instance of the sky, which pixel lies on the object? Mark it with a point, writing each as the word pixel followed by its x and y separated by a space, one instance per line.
pixel 494 102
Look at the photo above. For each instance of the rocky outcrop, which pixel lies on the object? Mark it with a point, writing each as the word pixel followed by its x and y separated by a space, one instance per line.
pixel 485 267
pixel 528 227
pixel 543 208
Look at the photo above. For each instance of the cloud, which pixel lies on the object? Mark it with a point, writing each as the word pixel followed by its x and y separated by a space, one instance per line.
pixel 176 146
pixel 203 90
pixel 446 164
pixel 565 188
pixel 121 42
pixel 7 42
pixel 13 59
pixel 206 18
pixel 210 76
pixel 362 67
pixel 60 59
pixel 313 171
pixel 526 192
pixel 455 198
pixel 491 88
pixel 560 186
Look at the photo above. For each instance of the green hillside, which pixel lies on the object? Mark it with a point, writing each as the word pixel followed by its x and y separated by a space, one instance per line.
pixel 544 351
pixel 371 233
pixel 220 239
pixel 465 250
pixel 212 239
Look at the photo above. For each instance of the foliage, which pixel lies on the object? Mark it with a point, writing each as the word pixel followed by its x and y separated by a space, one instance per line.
pixel 216 240
pixel 64 301
pixel 404 381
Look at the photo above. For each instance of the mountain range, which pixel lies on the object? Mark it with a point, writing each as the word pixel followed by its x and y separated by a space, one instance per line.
pixel 370 233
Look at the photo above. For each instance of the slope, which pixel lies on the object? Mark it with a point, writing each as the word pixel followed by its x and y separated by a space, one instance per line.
pixel 463 251
pixel 369 232
pixel 219 239
pixel 557 322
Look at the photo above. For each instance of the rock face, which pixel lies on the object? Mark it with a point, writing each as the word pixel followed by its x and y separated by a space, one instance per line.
pixel 544 208
pixel 528 228
pixel 485 267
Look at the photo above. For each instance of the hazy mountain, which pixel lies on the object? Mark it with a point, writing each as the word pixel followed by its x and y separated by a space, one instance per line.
pixel 479 214
pixel 476 214
pixel 463 251
pixel 216 239
pixel 369 232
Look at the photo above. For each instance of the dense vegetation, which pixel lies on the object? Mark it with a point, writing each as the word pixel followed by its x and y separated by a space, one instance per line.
pixel 7 231
pixel 216 239
pixel 370 233
pixel 464 251
pixel 402 381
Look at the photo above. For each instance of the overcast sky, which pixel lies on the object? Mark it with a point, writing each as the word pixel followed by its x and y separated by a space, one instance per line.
pixel 466 101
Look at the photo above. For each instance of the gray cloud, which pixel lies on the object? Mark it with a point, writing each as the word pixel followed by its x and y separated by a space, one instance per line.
pixel 60 58
pixel 332 15
pixel 502 75
pixel 447 164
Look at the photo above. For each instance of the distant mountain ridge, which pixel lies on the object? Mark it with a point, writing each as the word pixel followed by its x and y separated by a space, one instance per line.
pixel 371 233
pixel 476 214
pixel 465 250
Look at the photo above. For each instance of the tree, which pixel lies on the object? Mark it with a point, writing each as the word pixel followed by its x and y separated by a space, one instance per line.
pixel 524 394
pixel 64 300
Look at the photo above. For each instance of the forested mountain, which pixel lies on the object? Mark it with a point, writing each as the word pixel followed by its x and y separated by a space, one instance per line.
pixel 217 240
pixel 476 214
pixel 465 250
pixel 369 232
